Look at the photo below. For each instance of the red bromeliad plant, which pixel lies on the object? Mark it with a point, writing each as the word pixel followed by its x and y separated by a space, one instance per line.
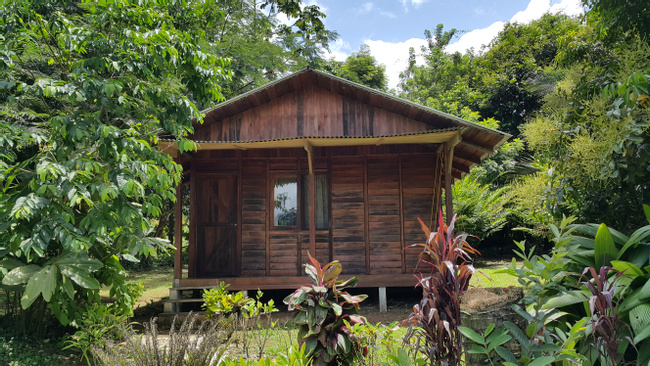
pixel 437 317
pixel 325 312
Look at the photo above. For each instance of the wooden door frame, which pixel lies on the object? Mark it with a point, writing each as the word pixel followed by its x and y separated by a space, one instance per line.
pixel 195 178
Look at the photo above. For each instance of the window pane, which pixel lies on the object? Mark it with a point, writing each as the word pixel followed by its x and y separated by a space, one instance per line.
pixel 322 201
pixel 286 202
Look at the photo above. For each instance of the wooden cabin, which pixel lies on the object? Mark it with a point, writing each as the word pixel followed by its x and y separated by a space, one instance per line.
pixel 313 163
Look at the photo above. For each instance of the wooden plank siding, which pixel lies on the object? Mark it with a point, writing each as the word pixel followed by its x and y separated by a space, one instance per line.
pixel 309 112
pixel 376 194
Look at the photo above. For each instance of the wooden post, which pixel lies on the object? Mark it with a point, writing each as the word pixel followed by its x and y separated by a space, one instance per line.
pixel 448 150
pixel 312 202
pixel 191 265
pixel 178 232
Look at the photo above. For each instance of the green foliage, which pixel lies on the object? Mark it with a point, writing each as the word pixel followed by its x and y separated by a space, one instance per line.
pixel 325 314
pixel 592 136
pixel 615 19
pixel 402 358
pixel 99 325
pixel 446 260
pixel 218 301
pixel 376 343
pixel 260 47
pixel 489 342
pixel 31 351
pixel 89 88
pixel 481 209
pixel 605 302
pixel 295 356
pixel 361 67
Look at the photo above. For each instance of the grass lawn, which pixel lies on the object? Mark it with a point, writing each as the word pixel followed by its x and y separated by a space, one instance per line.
pixel 156 284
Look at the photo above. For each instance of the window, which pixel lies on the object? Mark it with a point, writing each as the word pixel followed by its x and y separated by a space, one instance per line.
pixel 286 201
pixel 286 191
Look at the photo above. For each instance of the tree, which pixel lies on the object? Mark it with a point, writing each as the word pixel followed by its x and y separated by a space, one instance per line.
pixel 519 69
pixel 260 47
pixel 86 89
pixel 360 67
pixel 591 138
pixel 616 18
pixel 363 68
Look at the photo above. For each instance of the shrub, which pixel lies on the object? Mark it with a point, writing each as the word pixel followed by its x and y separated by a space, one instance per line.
pixel 218 301
pixel 100 324
pixel 204 346
pixel 437 317
pixel 325 313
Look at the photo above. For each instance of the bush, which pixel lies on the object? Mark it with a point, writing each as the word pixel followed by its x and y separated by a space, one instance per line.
pixel 185 346
pixel 325 314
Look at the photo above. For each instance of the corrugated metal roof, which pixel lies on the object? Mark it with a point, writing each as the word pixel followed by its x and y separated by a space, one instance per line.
pixel 426 132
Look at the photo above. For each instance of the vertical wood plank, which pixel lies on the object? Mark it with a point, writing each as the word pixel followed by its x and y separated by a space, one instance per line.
pixel 366 219
pixel 192 235
pixel 269 216
pixel 312 214
pixel 329 202
pixel 449 157
pixel 401 213
pixel 240 203
pixel 178 232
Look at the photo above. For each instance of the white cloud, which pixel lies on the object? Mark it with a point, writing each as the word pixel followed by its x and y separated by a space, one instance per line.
pixel 568 7
pixel 388 14
pixel 366 8
pixel 394 56
pixel 476 38
pixel 415 3
pixel 535 9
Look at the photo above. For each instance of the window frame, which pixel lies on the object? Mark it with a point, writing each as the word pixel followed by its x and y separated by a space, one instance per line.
pixel 301 189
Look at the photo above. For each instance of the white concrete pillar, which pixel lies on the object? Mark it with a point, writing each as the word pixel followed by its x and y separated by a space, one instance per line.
pixel 383 307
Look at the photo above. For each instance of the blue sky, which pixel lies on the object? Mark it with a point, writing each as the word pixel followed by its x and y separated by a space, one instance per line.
pixel 390 27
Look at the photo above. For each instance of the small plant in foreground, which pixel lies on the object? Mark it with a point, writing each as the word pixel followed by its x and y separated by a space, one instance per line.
pixel 490 341
pixel 218 301
pixel 437 317
pixel 184 347
pixel 325 313
pixel 99 325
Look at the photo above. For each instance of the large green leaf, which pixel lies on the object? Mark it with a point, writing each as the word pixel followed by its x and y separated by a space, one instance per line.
pixel 604 248
pixel 628 268
pixel 78 260
pixel 640 318
pixel 42 282
pixel 469 333
pixel 636 237
pixel 20 275
pixel 566 299
pixel 82 277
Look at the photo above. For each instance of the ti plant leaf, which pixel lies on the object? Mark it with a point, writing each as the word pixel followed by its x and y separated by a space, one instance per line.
pixel 604 249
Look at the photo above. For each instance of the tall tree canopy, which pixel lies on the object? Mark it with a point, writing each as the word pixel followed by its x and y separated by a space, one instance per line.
pixel 86 88
pixel 360 67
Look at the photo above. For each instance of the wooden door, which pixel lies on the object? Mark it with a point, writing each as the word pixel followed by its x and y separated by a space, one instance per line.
pixel 216 225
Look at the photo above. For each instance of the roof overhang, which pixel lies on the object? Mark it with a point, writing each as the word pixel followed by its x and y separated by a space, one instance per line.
pixel 451 135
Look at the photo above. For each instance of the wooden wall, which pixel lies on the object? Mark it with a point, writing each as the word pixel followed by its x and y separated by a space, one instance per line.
pixel 308 112
pixel 377 193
